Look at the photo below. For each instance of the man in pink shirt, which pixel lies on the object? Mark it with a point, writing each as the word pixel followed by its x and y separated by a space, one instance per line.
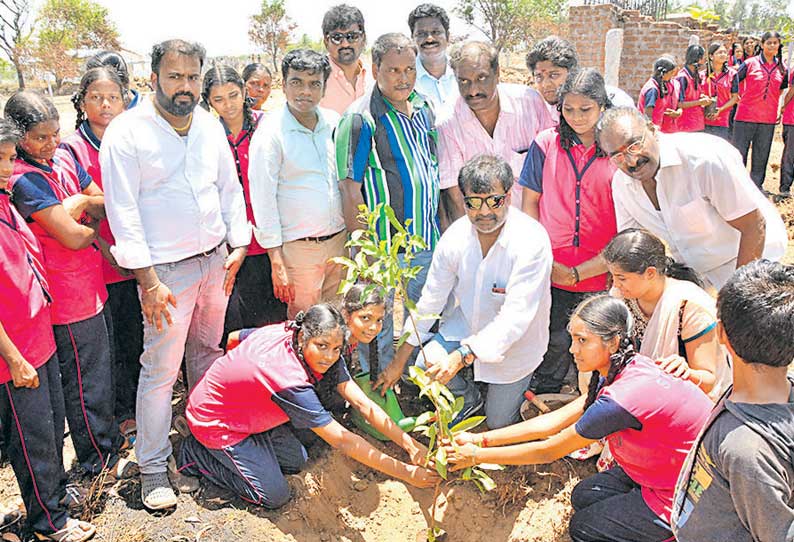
pixel 488 118
pixel 344 39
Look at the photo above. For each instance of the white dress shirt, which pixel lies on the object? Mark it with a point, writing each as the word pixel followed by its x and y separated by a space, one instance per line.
pixel 500 304
pixel 292 178
pixel 441 92
pixel 169 197
pixel 701 185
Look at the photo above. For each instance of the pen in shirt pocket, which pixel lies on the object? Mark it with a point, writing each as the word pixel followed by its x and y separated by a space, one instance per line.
pixel 497 290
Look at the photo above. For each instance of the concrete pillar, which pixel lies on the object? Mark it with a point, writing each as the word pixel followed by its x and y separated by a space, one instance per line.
pixel 694 39
pixel 613 48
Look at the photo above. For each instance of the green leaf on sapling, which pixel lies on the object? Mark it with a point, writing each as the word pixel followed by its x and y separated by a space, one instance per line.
pixel 467 425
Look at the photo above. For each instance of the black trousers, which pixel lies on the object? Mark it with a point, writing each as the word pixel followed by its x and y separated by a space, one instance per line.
pixel 32 421
pixel 760 137
pixel 787 162
pixel 126 332
pixel 87 379
pixel 252 303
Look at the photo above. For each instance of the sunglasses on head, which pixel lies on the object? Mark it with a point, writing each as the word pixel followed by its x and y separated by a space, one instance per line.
pixel 351 37
pixel 474 203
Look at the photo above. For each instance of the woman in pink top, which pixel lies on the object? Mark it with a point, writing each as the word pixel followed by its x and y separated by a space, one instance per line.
pixel 693 97
pixel 787 161
pixel 566 182
pixel 659 96
pixel 252 302
pixel 764 76
pixel 100 98
pixel 649 418
pixel 721 85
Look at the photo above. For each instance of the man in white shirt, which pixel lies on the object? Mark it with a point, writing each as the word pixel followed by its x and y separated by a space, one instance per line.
pixel 429 25
pixel 491 269
pixel 174 204
pixel 294 191
pixel 692 191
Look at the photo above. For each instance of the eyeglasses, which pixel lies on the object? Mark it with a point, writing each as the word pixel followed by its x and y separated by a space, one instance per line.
pixel 633 149
pixel 474 203
pixel 351 37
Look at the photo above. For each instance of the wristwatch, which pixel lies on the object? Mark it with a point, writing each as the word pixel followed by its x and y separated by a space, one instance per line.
pixel 466 354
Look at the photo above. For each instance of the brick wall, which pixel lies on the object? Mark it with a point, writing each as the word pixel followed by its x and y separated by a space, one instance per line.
pixel 644 40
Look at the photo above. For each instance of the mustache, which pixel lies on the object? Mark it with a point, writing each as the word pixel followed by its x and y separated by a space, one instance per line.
pixel 476 96
pixel 346 49
pixel 640 162
pixel 185 93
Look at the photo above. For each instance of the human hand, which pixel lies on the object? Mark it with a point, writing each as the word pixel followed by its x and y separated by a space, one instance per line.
pixel 232 266
pixel 75 205
pixel 283 287
pixel 417 452
pixel 388 377
pixel 704 100
pixel 465 437
pixel 154 305
pixel 23 374
pixel 462 457
pixel 676 366
pixel 673 113
pixel 562 275
pixel 446 368
pixel 421 477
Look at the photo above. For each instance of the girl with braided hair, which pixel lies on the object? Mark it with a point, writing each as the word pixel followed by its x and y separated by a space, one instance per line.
pixel 660 95
pixel 649 418
pixel 252 303
pixel 243 413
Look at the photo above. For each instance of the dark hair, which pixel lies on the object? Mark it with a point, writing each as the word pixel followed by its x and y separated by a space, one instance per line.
pixel 317 321
pixel 635 250
pixel 734 45
pixel 607 317
pixel 27 109
pixel 480 173
pixel 472 48
pixel 590 84
pixel 713 48
pixel 756 48
pixel 423 11
pixel 306 60
pixel 182 47
pixel 388 42
pixel 693 55
pixel 756 308
pixel 769 34
pixel 342 16
pixel 9 133
pixel 554 49
pixel 661 67
pixel 113 60
pixel 615 114
pixel 91 76
pixel 220 75
pixel 360 295
pixel 254 68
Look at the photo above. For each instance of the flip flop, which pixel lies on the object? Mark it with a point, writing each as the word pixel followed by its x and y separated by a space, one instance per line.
pixel 73 531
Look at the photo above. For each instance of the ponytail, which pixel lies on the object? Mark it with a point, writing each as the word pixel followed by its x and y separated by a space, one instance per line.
pixel 661 67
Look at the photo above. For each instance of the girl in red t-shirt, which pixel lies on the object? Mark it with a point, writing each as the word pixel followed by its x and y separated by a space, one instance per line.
pixel 721 85
pixel 660 94
pixel 252 302
pixel 693 96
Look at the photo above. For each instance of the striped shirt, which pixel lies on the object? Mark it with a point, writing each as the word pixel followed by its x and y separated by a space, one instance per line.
pixel 394 157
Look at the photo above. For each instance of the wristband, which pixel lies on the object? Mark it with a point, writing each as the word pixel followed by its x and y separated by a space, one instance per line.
pixel 153 288
pixel 484 442
pixel 575 273
pixel 465 352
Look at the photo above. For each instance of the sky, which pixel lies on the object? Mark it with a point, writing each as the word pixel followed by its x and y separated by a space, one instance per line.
pixel 224 30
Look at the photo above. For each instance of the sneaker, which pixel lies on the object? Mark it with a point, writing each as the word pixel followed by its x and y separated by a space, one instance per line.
pixel 468 411
pixel 156 491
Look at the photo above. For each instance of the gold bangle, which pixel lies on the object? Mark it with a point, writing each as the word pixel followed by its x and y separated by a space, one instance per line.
pixel 153 288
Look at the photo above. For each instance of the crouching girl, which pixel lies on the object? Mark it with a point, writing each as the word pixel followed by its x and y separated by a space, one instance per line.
pixel 649 418
pixel 238 412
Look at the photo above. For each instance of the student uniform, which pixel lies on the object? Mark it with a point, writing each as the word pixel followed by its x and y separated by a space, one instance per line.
pixel 32 418
pixel 692 119
pixel 650 97
pixel 252 303
pixel 787 161
pixel 124 307
pixel 78 297
pixel 650 419
pixel 239 411
pixel 756 113
pixel 722 86
pixel 577 211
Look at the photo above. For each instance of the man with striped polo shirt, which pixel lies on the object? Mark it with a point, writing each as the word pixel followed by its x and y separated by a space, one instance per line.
pixel 386 153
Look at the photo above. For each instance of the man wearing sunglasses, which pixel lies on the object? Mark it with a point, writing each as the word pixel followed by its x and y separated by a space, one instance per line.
pixel 495 264
pixel 344 39
pixel 692 191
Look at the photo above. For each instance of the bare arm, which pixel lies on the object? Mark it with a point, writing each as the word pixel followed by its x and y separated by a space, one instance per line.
pixel 702 355
pixel 71 234
pixel 752 228
pixel 351 199
pixel 22 372
pixel 530 203
pixel 451 207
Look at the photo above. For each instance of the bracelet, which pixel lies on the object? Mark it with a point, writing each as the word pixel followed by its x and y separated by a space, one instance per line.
pixel 575 273
pixel 484 442
pixel 153 288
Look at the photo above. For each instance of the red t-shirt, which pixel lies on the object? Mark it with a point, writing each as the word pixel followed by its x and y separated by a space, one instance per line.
pixel 760 94
pixel 24 292
pixel 650 97
pixel 255 387
pixel 576 206
pixel 692 119
pixel 788 111
pixel 722 85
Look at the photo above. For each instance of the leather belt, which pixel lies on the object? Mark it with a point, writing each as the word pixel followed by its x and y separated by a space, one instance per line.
pixel 204 254
pixel 321 238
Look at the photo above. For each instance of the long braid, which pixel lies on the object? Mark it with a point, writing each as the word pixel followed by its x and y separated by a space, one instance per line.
pixel 77 102
pixel 779 55
pixel 248 116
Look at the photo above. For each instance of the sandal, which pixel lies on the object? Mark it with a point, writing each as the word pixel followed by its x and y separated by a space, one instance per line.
pixel 124 469
pixel 128 430
pixel 179 423
pixel 156 491
pixel 73 531
pixel 74 498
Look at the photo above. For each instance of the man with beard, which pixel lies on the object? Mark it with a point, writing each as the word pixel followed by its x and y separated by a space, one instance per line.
pixel 174 205
pixel 344 39
pixel 488 118
pixel 435 80
pixel 496 264
pixel 692 191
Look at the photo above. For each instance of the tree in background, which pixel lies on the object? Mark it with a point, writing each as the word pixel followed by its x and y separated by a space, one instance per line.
pixel 509 23
pixel 271 29
pixel 15 33
pixel 67 26
pixel 751 16
pixel 306 42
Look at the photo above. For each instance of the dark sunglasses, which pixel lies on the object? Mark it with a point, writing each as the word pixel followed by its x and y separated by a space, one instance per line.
pixel 351 37
pixel 474 203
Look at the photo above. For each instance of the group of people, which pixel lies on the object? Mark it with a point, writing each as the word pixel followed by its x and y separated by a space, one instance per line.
pixel 732 91
pixel 189 229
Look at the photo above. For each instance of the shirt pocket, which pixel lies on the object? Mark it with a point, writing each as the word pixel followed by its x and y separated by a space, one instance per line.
pixel 695 217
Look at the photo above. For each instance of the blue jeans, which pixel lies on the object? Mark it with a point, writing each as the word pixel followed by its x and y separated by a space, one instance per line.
pixel 385 339
pixel 502 402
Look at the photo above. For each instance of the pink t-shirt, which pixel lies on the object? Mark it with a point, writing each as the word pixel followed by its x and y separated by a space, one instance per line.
pixel 649 95
pixel 692 119
pixel 761 93
pixel 339 93
pixel 721 85
pixel 788 111
pixel 672 412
